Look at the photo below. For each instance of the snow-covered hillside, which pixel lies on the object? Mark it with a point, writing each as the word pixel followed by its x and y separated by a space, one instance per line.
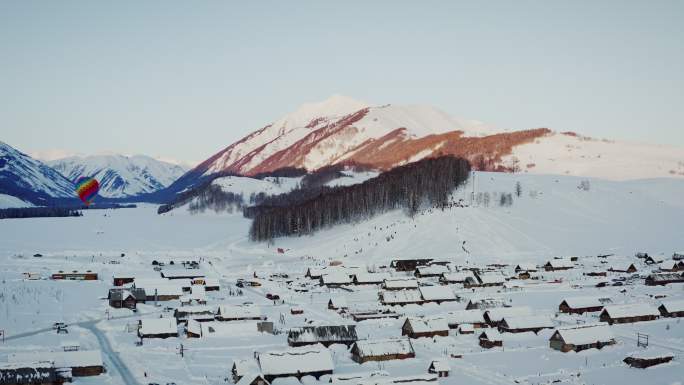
pixel 9 201
pixel 552 217
pixel 30 180
pixel 121 176
pixel 570 154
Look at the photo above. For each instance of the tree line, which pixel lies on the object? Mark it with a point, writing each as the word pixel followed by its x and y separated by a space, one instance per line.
pixel 410 187
pixel 38 212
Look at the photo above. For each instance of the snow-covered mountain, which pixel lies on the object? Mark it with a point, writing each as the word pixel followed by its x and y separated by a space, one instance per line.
pixel 121 176
pixel 342 130
pixel 29 180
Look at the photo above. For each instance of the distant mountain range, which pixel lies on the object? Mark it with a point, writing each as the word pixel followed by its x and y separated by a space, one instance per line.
pixel 25 181
pixel 30 181
pixel 344 131
pixel 121 176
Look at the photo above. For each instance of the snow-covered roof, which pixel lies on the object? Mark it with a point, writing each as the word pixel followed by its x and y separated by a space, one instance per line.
pixel 427 324
pixel 337 277
pixel 487 302
pixel 437 293
pixel 622 266
pixel 384 347
pixel 560 263
pixel 227 329
pixel 667 265
pixel 432 270
pixel 466 328
pixel 491 335
pixel 499 313
pixel 338 302
pixel 526 266
pixel 371 277
pixel 313 334
pixel 307 359
pixel 440 365
pixel 196 309
pixel 150 326
pixel 213 282
pixel 401 283
pixel 182 273
pixel 491 278
pixel 194 327
pixel 585 302
pixel 249 378
pixel 459 276
pixel 239 311
pixel 243 367
pixel 527 322
pixel 420 379
pixel 631 310
pixel 585 334
pixel 401 296
pixel 674 306
pixel 650 353
pixel 61 359
pixel 465 317
pixel 660 277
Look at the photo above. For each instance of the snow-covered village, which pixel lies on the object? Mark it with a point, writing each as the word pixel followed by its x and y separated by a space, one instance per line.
pixel 290 193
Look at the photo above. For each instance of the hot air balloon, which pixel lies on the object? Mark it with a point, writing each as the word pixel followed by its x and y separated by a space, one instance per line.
pixel 87 188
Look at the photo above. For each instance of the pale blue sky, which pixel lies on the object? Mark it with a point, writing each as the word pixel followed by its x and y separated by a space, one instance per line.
pixel 183 79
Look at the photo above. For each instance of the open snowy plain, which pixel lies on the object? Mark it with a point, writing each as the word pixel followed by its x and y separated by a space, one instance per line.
pixel 551 218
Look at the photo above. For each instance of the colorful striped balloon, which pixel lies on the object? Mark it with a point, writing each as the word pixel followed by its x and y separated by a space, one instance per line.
pixel 86 189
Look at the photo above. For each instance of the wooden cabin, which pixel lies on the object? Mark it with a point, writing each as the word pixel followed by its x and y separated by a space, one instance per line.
pixel 638 312
pixel 493 317
pixel 43 373
pixel 382 350
pixel 662 279
pixel 415 327
pixel 400 297
pixel 120 280
pixel 439 367
pixel 524 324
pixel 298 362
pixel 430 271
pixel 157 328
pixel 81 363
pixel 490 338
pixel 437 294
pixel 646 358
pixel 583 337
pixel 672 309
pixel 559 264
pixel 239 313
pixel 581 305
pixel 122 299
pixel 624 268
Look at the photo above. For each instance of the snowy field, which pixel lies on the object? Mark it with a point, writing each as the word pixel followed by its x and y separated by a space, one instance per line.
pixel 552 217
